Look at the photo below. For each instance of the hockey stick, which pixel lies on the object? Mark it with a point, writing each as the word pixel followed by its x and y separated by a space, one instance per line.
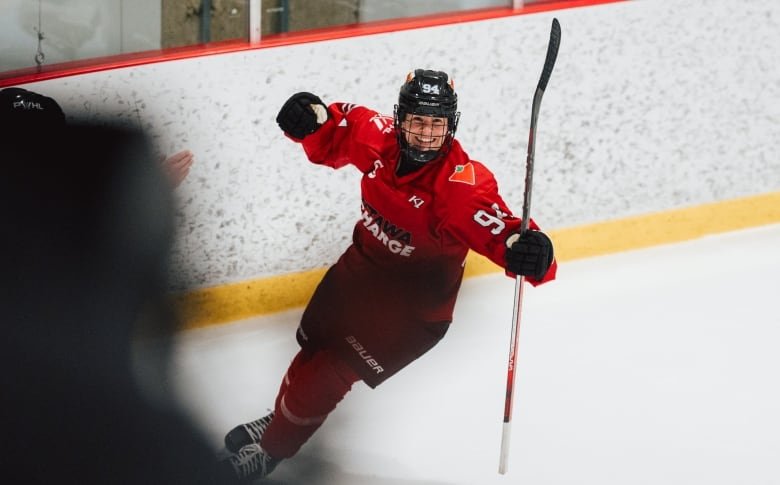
pixel 552 54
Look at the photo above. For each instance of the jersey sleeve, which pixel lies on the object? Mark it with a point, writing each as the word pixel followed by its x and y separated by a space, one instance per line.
pixel 352 135
pixel 479 218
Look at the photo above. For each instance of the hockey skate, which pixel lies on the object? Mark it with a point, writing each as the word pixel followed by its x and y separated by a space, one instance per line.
pixel 246 434
pixel 249 464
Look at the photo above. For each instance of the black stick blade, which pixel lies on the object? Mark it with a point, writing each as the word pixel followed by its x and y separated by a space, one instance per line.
pixel 552 54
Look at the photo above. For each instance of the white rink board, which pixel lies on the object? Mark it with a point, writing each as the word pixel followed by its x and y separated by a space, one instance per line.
pixel 653 105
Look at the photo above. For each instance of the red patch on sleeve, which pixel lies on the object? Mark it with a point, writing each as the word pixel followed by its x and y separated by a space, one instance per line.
pixel 463 174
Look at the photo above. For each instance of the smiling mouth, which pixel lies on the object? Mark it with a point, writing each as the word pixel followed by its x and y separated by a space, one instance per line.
pixel 423 141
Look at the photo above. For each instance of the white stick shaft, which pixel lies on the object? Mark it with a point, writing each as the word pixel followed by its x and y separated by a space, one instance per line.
pixel 549 63
pixel 514 339
pixel 506 434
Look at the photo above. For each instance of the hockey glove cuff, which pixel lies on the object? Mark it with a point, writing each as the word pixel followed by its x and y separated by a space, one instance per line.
pixel 302 115
pixel 529 254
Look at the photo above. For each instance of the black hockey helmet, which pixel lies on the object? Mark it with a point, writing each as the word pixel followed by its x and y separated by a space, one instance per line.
pixel 23 110
pixel 427 93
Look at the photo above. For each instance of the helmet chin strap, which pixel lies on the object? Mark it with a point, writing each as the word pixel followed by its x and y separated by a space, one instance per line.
pixel 406 165
pixel 412 159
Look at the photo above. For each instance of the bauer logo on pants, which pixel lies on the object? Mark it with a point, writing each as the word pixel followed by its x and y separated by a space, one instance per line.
pixel 363 353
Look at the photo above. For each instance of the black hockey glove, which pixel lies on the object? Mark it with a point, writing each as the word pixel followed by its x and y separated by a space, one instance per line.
pixel 530 254
pixel 302 115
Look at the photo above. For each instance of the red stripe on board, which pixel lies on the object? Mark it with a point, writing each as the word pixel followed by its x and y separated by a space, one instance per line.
pixel 95 64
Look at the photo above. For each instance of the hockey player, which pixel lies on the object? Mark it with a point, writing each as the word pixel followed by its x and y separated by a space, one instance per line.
pixel 87 223
pixel 390 297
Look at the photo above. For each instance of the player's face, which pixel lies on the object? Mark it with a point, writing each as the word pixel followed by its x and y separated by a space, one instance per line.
pixel 424 132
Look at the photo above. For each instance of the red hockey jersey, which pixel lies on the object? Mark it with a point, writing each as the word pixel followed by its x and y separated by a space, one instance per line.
pixel 416 228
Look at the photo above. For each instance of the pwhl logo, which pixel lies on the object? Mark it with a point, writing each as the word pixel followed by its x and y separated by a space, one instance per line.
pixel 396 240
pixel 363 353
pixel 27 105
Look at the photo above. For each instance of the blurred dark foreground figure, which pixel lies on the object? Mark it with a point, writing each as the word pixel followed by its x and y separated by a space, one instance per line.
pixel 86 225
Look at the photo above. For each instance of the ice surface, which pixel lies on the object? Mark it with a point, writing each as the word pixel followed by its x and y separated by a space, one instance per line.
pixel 644 367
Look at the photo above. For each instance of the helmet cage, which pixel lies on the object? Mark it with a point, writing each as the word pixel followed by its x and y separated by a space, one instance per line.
pixel 426 93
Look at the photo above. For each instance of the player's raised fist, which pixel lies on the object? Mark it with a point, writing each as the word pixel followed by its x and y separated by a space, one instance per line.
pixel 302 115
